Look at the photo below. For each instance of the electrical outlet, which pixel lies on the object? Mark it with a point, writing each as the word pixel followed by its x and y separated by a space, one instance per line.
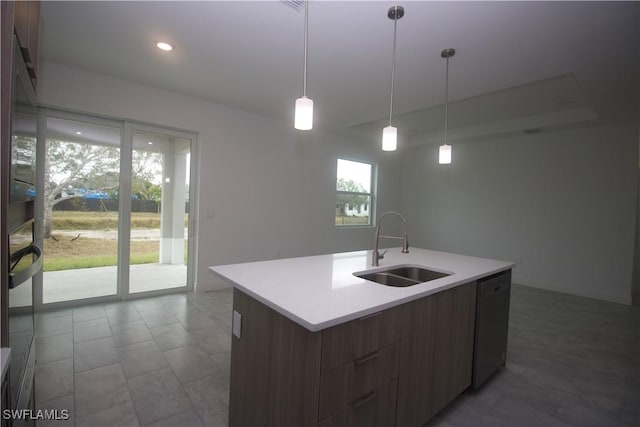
pixel 236 324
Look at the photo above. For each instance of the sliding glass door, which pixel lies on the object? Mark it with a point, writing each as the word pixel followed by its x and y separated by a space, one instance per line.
pixel 160 176
pixel 82 179
pixel 116 200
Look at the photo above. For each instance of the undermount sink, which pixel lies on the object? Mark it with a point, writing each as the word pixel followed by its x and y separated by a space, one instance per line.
pixel 402 276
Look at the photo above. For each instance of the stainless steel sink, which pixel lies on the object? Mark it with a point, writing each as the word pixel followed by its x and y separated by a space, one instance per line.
pixel 402 276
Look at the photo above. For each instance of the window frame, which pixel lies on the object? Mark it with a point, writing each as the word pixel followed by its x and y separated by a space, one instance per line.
pixel 371 194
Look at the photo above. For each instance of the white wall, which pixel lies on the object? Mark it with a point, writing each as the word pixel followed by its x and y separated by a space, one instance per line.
pixel 561 204
pixel 266 190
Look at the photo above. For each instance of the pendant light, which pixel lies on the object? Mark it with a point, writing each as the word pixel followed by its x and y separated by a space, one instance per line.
pixel 444 157
pixel 304 106
pixel 390 133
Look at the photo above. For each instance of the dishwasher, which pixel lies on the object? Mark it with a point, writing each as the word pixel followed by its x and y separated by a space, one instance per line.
pixel 492 326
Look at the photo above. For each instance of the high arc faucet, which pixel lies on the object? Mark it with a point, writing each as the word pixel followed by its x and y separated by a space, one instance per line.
pixel 376 256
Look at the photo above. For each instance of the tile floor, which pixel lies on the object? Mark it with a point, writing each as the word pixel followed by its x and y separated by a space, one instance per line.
pixel 161 361
pixel 164 361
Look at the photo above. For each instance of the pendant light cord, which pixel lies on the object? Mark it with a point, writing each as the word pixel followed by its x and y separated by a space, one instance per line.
pixel 306 42
pixel 393 67
pixel 446 102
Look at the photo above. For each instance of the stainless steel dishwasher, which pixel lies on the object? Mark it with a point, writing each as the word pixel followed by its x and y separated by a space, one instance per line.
pixel 492 326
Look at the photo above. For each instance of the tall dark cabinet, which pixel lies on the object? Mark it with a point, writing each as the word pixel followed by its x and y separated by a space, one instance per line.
pixel 21 259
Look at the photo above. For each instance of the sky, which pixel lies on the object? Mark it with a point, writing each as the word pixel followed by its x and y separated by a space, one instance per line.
pixel 356 171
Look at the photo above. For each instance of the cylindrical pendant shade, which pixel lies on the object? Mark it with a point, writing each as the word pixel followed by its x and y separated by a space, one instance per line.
pixel 304 113
pixel 389 138
pixel 444 157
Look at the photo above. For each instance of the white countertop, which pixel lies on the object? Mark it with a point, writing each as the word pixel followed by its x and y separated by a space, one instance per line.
pixel 321 291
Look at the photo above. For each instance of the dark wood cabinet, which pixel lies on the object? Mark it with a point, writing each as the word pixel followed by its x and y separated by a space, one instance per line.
pixel 376 409
pixel 360 368
pixel 352 340
pixel 396 367
pixel 275 369
pixel 357 379
pixel 436 353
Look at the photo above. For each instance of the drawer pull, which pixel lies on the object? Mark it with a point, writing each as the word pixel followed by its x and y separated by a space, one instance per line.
pixel 366 398
pixel 367 358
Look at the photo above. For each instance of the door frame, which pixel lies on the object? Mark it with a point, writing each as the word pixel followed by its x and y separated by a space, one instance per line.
pixel 127 128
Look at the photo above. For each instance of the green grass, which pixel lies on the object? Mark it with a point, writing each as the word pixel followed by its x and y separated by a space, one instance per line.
pixel 73 263
pixel 68 253
pixel 63 253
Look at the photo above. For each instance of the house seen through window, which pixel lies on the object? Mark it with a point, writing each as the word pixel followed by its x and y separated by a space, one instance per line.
pixel 354 193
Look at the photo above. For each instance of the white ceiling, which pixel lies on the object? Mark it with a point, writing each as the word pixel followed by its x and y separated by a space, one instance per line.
pixel 518 65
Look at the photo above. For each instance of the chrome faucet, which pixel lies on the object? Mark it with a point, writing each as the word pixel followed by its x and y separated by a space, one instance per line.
pixel 377 256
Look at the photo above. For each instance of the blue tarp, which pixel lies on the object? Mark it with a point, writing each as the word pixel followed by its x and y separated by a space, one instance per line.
pixel 100 195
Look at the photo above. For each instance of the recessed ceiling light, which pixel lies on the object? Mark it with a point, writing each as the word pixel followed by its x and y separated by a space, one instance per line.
pixel 164 46
pixel 78 133
pixel 150 142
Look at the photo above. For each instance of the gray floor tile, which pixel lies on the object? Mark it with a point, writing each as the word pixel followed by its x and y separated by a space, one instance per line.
pixel 123 415
pixel 130 333
pixel 108 306
pixel 188 418
pixel 100 389
pixel 222 362
pixel 462 412
pixel 222 359
pixel 192 320
pixel 54 380
pixel 149 304
pixel 48 326
pixel 94 354
pixel 577 415
pixel 171 336
pixel 177 303
pixel 213 339
pixel 629 413
pixel 158 395
pixel 88 312
pixel 222 320
pixel 55 347
pixel 190 363
pixel 91 329
pixel 513 411
pixel 571 361
pixel 209 395
pixel 140 358
pixel 158 317
pixel 122 314
pixel 212 305
pixel 219 419
pixel 63 415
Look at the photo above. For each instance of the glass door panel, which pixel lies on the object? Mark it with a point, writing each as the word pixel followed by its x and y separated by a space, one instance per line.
pixel 159 212
pixel 82 178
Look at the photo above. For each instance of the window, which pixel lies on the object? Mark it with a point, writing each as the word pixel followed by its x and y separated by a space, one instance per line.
pixel 354 193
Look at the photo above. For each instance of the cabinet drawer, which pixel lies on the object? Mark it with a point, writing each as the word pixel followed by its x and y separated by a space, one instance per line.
pixel 350 382
pixel 347 342
pixel 375 409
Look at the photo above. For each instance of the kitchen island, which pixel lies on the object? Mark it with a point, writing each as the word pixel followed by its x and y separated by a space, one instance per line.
pixel 313 344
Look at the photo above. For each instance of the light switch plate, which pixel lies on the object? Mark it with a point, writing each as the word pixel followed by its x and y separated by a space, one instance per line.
pixel 236 327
